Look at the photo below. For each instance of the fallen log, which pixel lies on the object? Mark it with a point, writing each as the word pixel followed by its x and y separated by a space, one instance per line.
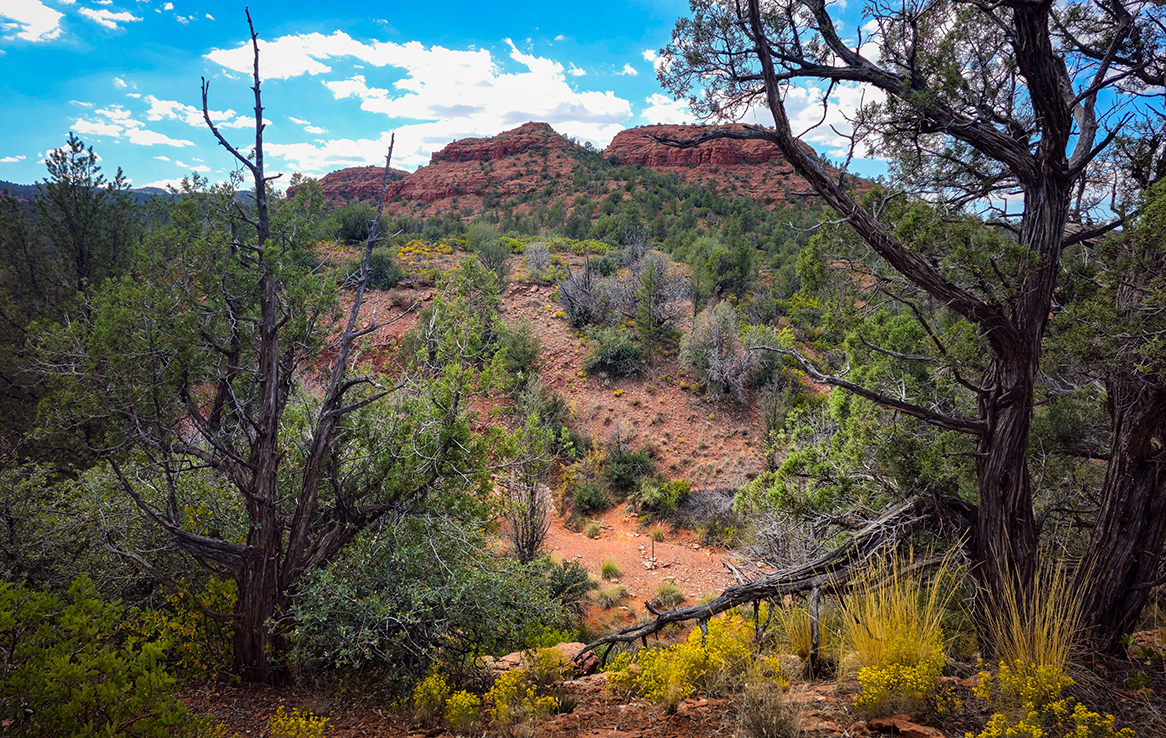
pixel 827 573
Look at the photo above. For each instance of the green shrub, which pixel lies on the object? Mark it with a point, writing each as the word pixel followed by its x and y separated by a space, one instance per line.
pixel 611 570
pixel 611 595
pixel 383 272
pixel 66 674
pixel 569 583
pixel 660 500
pixel 670 595
pixel 625 469
pixel 613 350
pixel 384 604
pixel 590 497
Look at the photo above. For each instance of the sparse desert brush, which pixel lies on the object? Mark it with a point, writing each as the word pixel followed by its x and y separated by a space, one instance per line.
pixel 656 534
pixel 548 666
pixel 669 594
pixel 611 595
pixel 763 711
pixel 1041 628
pixel 592 529
pixel 611 570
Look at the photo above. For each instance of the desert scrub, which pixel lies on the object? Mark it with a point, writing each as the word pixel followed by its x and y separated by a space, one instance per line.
pixel 429 697
pixel 461 712
pixel 295 724
pixel 548 666
pixel 589 497
pixel 669 675
pixel 592 529
pixel 611 570
pixel 68 671
pixel 764 712
pixel 1034 707
pixel 611 595
pixel 513 700
pixel 656 534
pixel 1039 628
pixel 669 594
pixel 892 626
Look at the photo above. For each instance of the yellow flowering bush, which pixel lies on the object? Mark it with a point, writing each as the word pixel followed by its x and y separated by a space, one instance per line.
pixel 1034 708
pixel 429 697
pixel 669 675
pixel 295 724
pixel 513 700
pixel 898 684
pixel 461 712
pixel 199 646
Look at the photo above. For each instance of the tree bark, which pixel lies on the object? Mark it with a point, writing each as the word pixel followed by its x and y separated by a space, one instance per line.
pixel 1125 550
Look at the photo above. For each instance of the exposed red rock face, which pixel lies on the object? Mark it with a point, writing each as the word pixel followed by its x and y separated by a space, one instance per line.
pixel 754 169
pixel 357 184
pixel 533 164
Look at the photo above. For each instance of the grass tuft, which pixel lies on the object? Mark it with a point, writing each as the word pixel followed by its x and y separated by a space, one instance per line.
pixel 611 570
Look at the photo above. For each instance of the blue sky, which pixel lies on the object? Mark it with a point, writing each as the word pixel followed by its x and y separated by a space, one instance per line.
pixel 338 77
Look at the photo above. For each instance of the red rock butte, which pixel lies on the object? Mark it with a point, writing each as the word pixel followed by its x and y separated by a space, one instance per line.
pixel 533 163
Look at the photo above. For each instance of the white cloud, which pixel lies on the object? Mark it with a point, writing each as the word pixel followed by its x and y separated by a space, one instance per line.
pixel 11 159
pixel 804 107
pixel 134 95
pixel 163 184
pixel 192 116
pixel 108 18
pixel 444 94
pixel 184 21
pixel 209 17
pixel 119 82
pixel 31 20
pixel 142 137
pixel 575 71
pixel 315 130
pixel 663 109
pixel 118 122
pixel 72 2
pixel 299 121
pixel 193 167
pixel 96 128
pixel 628 70
pixel 162 158
pixel 168 6
pixel 104 2
pixel 560 37
pixel 649 55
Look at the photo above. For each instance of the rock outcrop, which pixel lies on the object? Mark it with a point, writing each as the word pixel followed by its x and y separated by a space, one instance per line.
pixel 533 164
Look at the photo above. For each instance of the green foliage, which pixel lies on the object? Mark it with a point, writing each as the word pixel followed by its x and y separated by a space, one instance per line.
pixel 613 350
pixel 383 272
pixel 569 583
pixel 482 240
pixel 670 595
pixel 626 468
pixel 200 646
pixel 660 498
pixel 590 497
pixel 386 603
pixel 295 724
pixel 610 569
pixel 351 223
pixel 66 671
